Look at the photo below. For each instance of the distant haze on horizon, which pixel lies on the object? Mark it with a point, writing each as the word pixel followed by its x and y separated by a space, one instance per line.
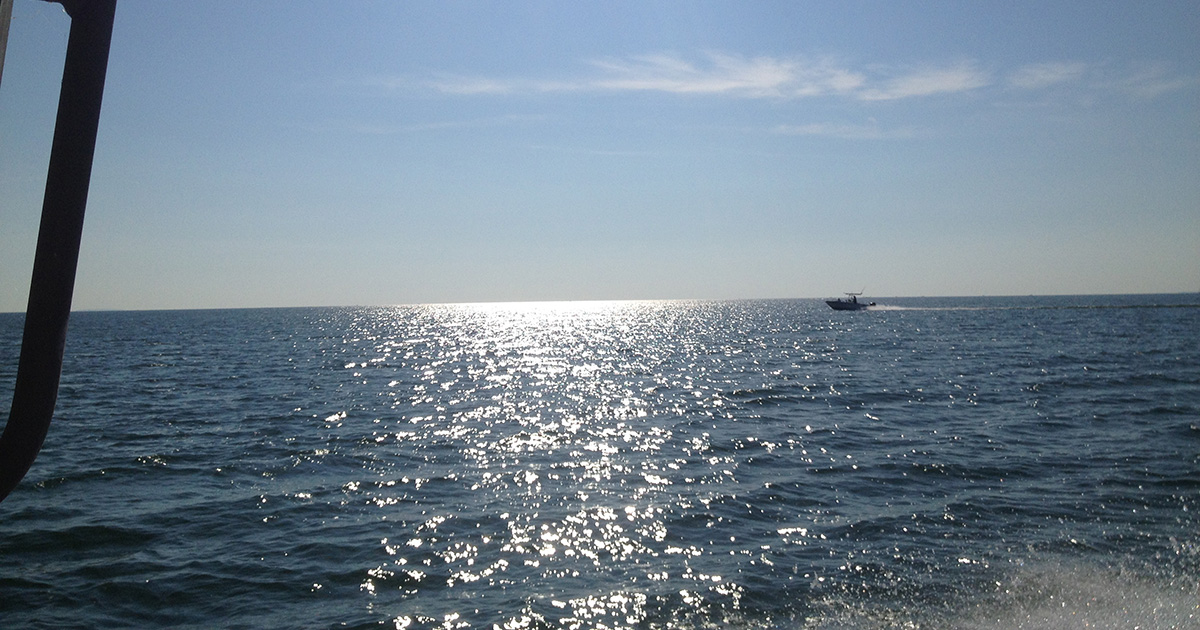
pixel 374 153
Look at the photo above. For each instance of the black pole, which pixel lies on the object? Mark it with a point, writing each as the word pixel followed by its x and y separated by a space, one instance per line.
pixel 58 238
pixel 5 20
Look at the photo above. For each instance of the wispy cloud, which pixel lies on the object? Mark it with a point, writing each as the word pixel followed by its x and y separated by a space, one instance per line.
pixel 386 129
pixel 961 77
pixel 721 74
pixel 1042 75
pixel 471 86
pixel 724 74
pixel 1144 81
pixel 715 74
pixel 870 131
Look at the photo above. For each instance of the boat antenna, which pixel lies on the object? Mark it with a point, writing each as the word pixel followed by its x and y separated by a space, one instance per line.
pixel 56 258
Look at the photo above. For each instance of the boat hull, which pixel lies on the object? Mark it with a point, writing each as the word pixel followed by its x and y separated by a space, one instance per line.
pixel 846 305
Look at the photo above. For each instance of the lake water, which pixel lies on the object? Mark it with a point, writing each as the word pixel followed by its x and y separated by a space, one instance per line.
pixel 930 463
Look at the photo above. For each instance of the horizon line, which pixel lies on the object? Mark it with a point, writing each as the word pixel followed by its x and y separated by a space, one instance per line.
pixel 599 300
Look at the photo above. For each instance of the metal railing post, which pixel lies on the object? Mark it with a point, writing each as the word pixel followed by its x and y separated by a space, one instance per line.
pixel 53 281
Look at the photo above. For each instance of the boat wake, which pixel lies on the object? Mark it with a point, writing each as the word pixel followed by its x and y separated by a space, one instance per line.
pixel 1048 597
pixel 895 307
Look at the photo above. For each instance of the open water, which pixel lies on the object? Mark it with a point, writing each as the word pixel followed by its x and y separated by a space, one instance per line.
pixel 931 463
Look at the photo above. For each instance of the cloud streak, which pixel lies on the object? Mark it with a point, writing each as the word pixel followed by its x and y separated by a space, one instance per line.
pixel 735 76
pixel 724 74
pixel 1138 80
pixel 1147 81
pixel 843 132
pixel 962 77
pixel 1043 75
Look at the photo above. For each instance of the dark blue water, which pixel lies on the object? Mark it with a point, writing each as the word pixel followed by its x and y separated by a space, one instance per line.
pixel 931 463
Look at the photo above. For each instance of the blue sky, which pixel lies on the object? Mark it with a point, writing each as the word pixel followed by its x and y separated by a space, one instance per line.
pixel 316 153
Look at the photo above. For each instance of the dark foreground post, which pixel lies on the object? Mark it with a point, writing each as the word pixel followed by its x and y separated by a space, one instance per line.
pixel 58 238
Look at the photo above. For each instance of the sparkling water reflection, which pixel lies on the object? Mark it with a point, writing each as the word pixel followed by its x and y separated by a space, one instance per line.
pixel 546 417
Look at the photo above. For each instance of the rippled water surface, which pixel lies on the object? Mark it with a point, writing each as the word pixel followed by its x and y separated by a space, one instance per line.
pixel 970 463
